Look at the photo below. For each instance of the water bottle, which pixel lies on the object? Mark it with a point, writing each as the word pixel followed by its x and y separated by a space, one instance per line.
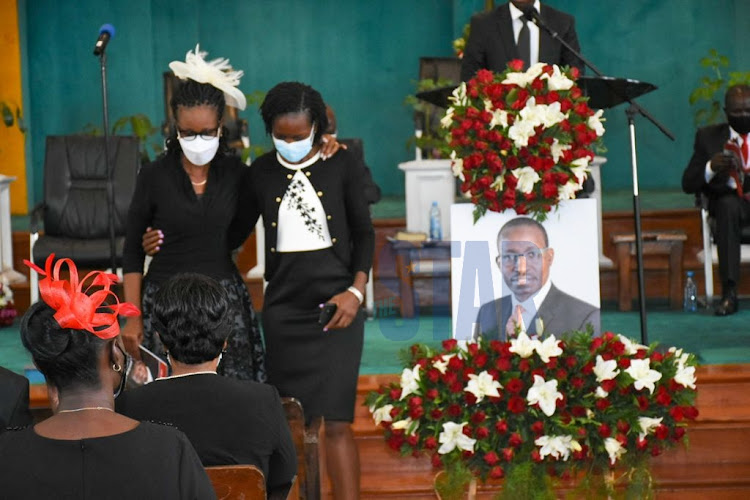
pixel 690 300
pixel 436 230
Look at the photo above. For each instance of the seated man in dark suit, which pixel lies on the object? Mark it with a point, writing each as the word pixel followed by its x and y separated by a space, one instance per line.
pixel 535 304
pixel 499 36
pixel 718 167
pixel 14 400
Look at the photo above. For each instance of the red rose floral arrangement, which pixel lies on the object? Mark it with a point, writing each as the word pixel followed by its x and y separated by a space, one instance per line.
pixel 521 140
pixel 555 407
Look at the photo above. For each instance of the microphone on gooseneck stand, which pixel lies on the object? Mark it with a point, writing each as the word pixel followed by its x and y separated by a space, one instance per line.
pixel 530 13
pixel 106 32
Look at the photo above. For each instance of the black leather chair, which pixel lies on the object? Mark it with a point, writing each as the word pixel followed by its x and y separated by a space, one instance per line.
pixel 75 209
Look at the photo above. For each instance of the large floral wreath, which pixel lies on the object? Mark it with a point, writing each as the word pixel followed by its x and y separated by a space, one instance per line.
pixel 521 140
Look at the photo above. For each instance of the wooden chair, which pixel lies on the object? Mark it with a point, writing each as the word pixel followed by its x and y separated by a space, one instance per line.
pixel 234 482
pixel 306 440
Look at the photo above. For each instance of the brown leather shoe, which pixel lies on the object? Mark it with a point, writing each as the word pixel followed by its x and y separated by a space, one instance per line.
pixel 728 305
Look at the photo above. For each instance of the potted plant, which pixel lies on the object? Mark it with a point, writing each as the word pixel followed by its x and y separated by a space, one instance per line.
pixel 708 97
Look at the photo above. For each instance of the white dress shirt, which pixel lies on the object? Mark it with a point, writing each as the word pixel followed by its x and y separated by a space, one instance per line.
pixel 516 14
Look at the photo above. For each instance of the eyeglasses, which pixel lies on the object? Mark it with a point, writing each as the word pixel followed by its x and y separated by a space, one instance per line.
pixel 189 135
pixel 509 259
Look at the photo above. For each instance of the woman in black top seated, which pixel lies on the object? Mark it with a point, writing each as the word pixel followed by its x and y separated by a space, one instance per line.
pixel 228 421
pixel 86 450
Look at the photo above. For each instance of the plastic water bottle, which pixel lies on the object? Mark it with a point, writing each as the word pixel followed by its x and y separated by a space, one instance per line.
pixel 690 300
pixel 436 230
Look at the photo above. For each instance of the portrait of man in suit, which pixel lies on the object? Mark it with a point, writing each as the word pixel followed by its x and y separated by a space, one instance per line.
pixel 534 303
pixel 498 36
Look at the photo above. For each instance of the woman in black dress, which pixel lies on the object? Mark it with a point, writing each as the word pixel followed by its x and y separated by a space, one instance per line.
pixel 319 245
pixel 190 195
pixel 228 421
pixel 86 450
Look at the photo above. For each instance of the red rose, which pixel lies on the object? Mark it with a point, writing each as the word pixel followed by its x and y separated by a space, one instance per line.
pixel 478 417
pixel 604 430
pixel 642 403
pixel 602 404
pixel 430 443
pixel 416 412
pixel 454 410
pixel 497 472
pixel 415 401
pixel 433 375
pixel 655 451
pixel 482 432
pixel 456 388
pixel 641 444
pixel 596 344
pixel 508 454
pixel 412 440
pixel 450 344
pixel 436 461
pixel 576 382
pixel 678 433
pixel 395 393
pixel 623 363
pixel 571 361
pixel 623 426
pixel 663 397
pixel 537 84
pixel 394 412
pixel 467 431
pixel 436 413
pixel 514 385
pixel 516 405
pixel 484 76
pixel 690 412
pixel 575 92
pixel 609 385
pixel 537 427
pixel 523 365
pixel 501 426
pixel 515 440
pixel 481 359
pixel 432 393
pixel 661 431
pixel 491 458
pixel 578 411
pixel 536 456
pixel 516 64
pixel 395 442
pixel 455 363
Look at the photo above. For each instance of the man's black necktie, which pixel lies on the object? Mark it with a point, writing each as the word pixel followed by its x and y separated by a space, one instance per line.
pixel 524 44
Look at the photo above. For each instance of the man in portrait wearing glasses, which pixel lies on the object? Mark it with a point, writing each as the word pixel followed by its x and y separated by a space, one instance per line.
pixel 534 304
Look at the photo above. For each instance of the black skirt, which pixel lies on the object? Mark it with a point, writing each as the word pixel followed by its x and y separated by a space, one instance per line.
pixel 244 354
pixel 318 368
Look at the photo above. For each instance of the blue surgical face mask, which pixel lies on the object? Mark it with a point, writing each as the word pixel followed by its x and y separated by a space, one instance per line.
pixel 293 152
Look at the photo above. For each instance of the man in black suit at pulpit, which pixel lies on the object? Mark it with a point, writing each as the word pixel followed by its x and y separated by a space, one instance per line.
pixel 720 169
pixel 501 35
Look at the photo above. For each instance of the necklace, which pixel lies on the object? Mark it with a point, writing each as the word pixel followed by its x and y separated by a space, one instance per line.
pixel 87 408
pixel 199 183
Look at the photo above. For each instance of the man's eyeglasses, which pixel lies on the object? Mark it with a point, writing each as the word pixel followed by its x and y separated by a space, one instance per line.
pixel 189 135
pixel 509 259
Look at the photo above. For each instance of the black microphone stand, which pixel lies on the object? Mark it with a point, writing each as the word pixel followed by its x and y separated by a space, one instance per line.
pixel 108 164
pixel 632 110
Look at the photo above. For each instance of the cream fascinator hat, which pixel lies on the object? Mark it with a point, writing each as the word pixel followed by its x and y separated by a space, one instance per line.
pixel 218 73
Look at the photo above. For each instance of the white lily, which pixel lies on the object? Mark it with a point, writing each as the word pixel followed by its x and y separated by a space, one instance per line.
pixel 648 424
pixel 483 385
pixel 568 190
pixel 442 364
pixel 457 166
pixel 545 394
pixel 382 414
pixel 458 96
pixel 600 393
pixel 408 424
pixel 595 123
pixel 580 169
pixel 498 183
pixel 548 348
pixel 409 381
pixel 452 437
pixel 558 149
pixel 517 78
pixel 499 117
pixel 685 375
pixel 614 449
pixel 605 370
pixel 643 375
pixel 551 114
pixel 523 345
pixel 446 120
pixel 532 113
pixel 527 177
pixel 557 446
pixel 557 80
pixel 520 132
pixel 630 346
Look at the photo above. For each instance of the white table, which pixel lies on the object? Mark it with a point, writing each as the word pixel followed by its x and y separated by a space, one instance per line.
pixel 7 273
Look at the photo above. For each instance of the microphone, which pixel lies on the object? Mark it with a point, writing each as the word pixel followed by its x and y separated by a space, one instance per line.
pixel 530 13
pixel 106 32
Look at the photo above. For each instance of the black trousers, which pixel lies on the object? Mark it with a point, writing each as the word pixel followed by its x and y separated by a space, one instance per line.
pixel 730 213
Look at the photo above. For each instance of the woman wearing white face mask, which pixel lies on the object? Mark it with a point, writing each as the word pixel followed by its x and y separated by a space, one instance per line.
pixel 319 246
pixel 190 194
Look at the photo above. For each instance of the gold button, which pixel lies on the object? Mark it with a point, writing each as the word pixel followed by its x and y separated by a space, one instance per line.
pixel 273 224
pixel 328 217
pixel 333 240
pixel 278 199
pixel 320 193
pixel 273 250
pixel 288 176
pixel 307 174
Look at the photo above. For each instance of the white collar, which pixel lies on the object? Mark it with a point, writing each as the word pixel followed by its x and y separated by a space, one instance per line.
pixel 516 13
pixel 534 302
pixel 187 375
pixel 298 166
pixel 733 134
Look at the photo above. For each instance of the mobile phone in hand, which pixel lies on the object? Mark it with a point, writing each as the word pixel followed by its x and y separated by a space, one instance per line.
pixel 326 313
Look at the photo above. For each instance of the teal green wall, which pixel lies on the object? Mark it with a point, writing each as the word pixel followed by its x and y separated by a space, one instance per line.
pixel 363 57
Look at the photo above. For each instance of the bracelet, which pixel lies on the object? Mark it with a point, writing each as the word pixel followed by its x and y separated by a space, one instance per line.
pixel 357 293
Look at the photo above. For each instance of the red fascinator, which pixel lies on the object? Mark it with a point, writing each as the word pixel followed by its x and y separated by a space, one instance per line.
pixel 77 309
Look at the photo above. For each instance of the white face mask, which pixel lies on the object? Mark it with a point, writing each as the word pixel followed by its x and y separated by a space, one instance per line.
pixel 293 152
pixel 200 151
